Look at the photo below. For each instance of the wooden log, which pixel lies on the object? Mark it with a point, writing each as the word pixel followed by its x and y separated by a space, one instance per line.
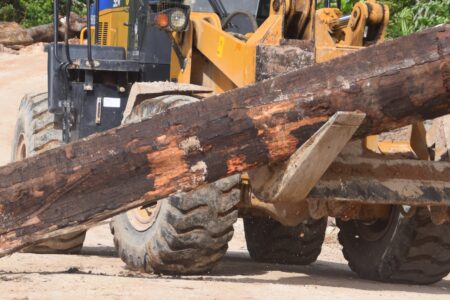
pixel 14 35
pixel 359 175
pixel 41 33
pixel 71 188
pixel 44 33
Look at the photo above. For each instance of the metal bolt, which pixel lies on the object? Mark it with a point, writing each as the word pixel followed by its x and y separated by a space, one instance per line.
pixel 276 5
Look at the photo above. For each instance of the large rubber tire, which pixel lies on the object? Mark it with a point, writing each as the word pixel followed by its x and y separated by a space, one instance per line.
pixel 269 241
pixel 189 232
pixel 35 133
pixel 399 250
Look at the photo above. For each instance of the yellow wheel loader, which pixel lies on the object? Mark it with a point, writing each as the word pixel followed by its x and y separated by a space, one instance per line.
pixel 138 59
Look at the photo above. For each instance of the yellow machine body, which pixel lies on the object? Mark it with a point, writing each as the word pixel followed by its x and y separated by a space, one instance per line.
pixel 222 61
pixel 218 59
pixel 112 29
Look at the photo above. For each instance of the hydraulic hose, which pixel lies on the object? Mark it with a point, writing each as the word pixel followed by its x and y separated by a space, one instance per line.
pixel 66 33
pixel 89 35
pixel 55 30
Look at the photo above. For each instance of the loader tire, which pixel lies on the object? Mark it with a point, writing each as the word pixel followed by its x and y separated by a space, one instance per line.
pixel 187 233
pixel 35 133
pixel 269 241
pixel 398 250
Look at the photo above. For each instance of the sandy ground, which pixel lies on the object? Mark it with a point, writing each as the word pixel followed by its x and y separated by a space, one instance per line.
pixel 99 274
pixel 19 75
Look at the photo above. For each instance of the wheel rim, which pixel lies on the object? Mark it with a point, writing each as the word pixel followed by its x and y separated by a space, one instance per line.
pixel 377 229
pixel 142 218
pixel 21 149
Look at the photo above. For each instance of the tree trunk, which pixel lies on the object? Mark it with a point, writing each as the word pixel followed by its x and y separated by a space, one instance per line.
pixel 72 188
pixel 14 35
pixel 41 33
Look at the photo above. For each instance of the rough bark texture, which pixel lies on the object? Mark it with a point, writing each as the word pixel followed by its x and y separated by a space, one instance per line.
pixel 73 187
pixel 13 35
pixel 291 55
pixel 359 175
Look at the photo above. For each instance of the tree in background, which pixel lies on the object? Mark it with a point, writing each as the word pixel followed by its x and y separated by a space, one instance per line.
pixel 413 15
pixel 33 12
pixel 408 16
pixel 11 10
pixel 37 12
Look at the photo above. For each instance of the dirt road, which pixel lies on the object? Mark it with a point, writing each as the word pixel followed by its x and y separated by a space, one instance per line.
pixel 98 274
pixel 19 74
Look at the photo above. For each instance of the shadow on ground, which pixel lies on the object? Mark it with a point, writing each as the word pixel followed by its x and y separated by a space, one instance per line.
pixel 237 267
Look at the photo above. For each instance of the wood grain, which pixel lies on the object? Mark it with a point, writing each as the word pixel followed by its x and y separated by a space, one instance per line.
pixel 71 188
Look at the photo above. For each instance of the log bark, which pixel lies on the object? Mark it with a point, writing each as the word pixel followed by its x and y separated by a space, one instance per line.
pixel 71 188
pixel 359 175
pixel 41 33
pixel 14 35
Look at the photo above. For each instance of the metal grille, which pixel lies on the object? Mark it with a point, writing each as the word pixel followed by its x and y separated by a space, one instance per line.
pixel 103 28
pixel 163 5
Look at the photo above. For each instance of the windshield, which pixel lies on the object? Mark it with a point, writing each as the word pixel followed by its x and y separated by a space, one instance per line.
pixel 249 6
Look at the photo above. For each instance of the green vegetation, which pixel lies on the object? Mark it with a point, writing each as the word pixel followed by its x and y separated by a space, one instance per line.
pixel 33 12
pixel 407 16
pixel 412 15
pixel 11 10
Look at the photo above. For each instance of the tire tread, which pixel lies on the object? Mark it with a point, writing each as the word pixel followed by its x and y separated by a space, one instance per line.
pixel 419 253
pixel 37 125
pixel 270 242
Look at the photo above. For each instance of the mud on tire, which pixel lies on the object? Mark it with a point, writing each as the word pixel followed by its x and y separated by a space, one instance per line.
pixel 190 234
pixel 35 133
pixel 413 250
pixel 271 242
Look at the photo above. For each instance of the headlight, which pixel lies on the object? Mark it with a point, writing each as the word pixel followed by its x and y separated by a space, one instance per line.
pixel 178 20
pixel 162 20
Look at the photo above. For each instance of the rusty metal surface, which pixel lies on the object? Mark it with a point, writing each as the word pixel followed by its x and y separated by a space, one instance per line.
pixel 320 208
pixel 440 215
pixel 382 180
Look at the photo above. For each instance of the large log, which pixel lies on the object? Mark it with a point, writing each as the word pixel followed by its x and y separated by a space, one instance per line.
pixel 14 35
pixel 71 188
